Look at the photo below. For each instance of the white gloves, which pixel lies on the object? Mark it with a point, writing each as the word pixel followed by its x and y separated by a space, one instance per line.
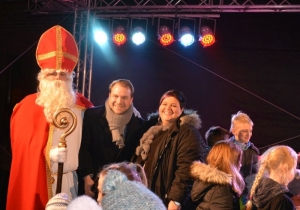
pixel 58 155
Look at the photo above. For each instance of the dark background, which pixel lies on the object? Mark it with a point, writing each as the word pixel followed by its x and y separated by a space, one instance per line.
pixel 254 66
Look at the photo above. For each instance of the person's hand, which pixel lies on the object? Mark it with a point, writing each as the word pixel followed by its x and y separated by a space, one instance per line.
pixel 173 206
pixel 58 155
pixel 88 183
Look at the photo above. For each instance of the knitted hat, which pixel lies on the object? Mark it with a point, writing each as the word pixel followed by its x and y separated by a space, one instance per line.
pixel 83 202
pixel 120 193
pixel 59 202
pixel 57 49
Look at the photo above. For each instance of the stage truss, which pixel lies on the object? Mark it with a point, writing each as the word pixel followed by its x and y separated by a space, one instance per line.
pixel 85 11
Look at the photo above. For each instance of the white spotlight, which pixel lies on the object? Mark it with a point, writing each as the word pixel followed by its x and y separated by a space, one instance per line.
pixel 100 37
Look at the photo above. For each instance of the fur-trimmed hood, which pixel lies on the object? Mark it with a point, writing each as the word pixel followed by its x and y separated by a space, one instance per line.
pixel 212 188
pixel 207 174
pixel 189 116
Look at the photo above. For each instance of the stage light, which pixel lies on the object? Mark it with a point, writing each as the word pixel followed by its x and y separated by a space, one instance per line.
pixel 165 36
pixel 119 35
pixel 138 36
pixel 206 36
pixel 186 36
pixel 100 36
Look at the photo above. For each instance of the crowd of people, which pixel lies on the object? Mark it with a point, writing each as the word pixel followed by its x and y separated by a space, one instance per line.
pixel 117 160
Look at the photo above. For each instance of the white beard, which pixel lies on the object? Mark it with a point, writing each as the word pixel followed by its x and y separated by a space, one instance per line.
pixel 54 95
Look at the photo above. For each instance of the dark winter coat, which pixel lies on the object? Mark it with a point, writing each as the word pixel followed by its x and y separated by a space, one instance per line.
pixel 97 148
pixel 249 160
pixel 212 189
pixel 270 195
pixel 178 147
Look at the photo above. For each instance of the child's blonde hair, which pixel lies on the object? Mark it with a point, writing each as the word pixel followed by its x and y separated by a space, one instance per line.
pixel 278 159
pixel 240 117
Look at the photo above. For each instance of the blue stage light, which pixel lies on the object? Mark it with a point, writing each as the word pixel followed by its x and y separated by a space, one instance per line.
pixel 138 36
pixel 186 36
pixel 100 36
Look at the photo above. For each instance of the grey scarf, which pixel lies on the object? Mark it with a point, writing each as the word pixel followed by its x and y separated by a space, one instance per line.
pixel 117 123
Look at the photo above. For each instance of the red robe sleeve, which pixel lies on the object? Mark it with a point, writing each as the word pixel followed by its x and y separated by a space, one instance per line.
pixel 82 101
pixel 29 132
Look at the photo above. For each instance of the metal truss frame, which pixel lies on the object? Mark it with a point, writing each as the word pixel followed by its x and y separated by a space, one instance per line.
pixel 160 6
pixel 85 10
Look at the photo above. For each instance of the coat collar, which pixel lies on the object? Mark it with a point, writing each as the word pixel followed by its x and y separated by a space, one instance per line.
pixel 207 174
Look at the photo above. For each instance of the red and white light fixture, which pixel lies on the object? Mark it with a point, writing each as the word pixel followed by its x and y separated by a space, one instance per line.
pixel 119 35
pixel 165 36
pixel 206 36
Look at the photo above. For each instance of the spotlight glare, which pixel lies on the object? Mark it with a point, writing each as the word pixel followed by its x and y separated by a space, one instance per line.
pixel 206 36
pixel 187 40
pixel 138 36
pixel 186 37
pixel 119 36
pixel 100 37
pixel 165 37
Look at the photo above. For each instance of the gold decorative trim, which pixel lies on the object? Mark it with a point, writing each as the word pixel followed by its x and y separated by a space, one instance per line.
pixel 46 55
pixel 48 163
pixel 59 48
pixel 54 53
pixel 70 56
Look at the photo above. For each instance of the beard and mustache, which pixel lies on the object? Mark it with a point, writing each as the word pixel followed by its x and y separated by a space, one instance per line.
pixel 54 95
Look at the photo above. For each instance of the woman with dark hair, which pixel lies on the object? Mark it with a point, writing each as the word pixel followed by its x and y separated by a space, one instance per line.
pixel 168 147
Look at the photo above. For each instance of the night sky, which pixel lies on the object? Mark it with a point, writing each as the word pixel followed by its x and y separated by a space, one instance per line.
pixel 254 66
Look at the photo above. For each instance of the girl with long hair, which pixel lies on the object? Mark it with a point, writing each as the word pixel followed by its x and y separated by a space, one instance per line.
pixel 277 168
pixel 218 183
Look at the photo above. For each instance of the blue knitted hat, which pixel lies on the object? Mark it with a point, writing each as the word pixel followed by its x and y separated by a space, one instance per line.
pixel 121 193
pixel 59 202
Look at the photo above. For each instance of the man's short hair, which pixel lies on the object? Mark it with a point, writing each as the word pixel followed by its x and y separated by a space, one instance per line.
pixel 215 134
pixel 124 83
pixel 240 117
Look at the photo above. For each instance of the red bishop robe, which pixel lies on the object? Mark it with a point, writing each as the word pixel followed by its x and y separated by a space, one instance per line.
pixel 28 189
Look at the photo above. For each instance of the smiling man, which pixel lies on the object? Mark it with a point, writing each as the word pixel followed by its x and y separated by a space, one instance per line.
pixel 241 128
pixel 111 133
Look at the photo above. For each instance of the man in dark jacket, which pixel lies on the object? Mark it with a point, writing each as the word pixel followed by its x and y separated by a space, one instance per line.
pixel 241 128
pixel 111 133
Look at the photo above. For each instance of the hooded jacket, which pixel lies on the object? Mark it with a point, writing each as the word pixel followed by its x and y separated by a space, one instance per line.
pixel 212 188
pixel 269 194
pixel 249 159
pixel 176 148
